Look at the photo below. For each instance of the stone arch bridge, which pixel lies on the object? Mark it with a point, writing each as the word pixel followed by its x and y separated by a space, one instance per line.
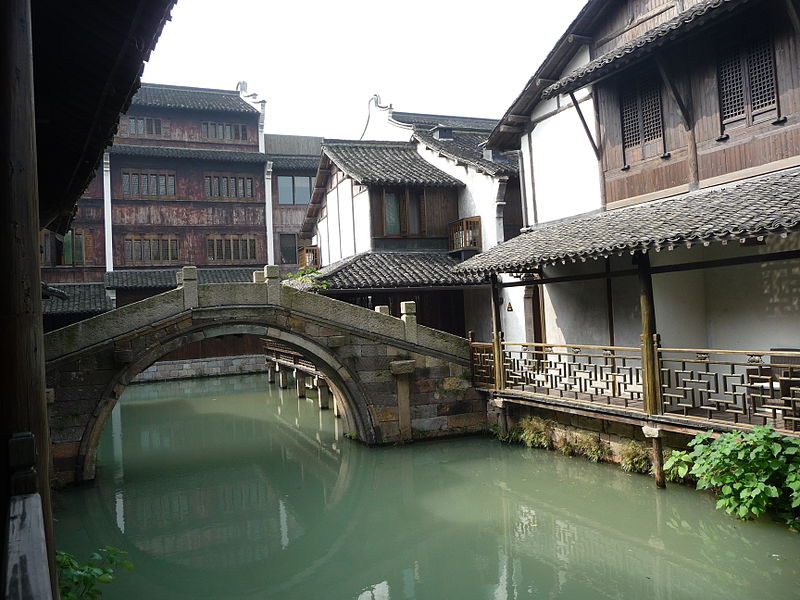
pixel 393 379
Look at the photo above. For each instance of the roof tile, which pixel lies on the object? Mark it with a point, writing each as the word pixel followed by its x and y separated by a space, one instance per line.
pixel 386 163
pixel 173 96
pixel 82 298
pixel 165 279
pixel 468 147
pixel 189 153
pixel 755 207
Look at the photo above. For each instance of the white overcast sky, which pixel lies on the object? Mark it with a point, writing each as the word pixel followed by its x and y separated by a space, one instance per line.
pixel 318 63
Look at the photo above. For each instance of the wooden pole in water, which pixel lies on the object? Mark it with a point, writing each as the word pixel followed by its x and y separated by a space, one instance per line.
pixel 651 387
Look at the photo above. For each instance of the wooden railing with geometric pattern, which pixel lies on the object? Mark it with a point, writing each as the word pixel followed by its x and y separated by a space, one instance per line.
pixel 610 375
pixel 732 386
pixel 717 386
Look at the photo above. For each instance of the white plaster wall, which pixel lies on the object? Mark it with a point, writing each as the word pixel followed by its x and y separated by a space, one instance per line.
pixel 322 241
pixel 334 249
pixel 513 322
pixel 361 208
pixel 346 218
pixel 566 179
pixel 478 313
pixel 476 199
pixel 380 128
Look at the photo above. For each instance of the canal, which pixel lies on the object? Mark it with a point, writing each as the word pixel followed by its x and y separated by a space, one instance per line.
pixel 232 488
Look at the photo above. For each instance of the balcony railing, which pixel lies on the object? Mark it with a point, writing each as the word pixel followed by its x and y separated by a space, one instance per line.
pixel 730 387
pixel 309 256
pixel 465 234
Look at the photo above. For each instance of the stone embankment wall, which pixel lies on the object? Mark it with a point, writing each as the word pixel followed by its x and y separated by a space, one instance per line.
pixel 202 367
pixel 615 434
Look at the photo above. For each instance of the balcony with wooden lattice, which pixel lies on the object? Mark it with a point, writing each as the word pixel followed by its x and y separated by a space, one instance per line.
pixel 465 234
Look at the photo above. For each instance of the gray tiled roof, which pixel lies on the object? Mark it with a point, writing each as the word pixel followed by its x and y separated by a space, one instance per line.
pixel 189 153
pixel 385 270
pixel 424 120
pixel 693 17
pixel 755 207
pixel 294 163
pixel 175 96
pixel 165 279
pixel 385 163
pixel 468 147
pixel 82 298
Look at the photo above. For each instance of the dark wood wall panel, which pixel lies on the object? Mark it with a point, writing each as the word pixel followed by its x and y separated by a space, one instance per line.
pixel 618 29
pixel 651 177
pixel 441 209
pixel 693 67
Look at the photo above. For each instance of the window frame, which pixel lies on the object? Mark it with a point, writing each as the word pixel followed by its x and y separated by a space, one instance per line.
pixel 639 88
pixel 163 183
pixel 294 188
pixel 231 249
pixel 154 247
pixel 404 207
pixel 294 246
pixel 745 53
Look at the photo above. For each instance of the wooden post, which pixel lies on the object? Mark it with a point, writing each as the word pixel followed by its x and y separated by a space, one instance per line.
pixel 658 463
pixel 497 337
pixel 658 455
pixel 650 387
pixel 23 408
pixel 270 372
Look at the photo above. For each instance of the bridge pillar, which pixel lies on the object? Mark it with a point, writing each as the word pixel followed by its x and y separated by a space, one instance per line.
pixel 270 372
pixel 408 314
pixel 283 378
pixel 323 394
pixel 401 369
pixel 300 383
pixel 272 276
pixel 187 279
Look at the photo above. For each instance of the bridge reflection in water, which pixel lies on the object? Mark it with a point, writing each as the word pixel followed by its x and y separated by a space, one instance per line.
pixel 231 488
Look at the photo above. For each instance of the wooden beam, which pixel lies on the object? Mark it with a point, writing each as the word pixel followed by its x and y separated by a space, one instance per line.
pixel 575 38
pixel 542 81
pixel 791 9
pixel 510 129
pixel 674 94
pixel 518 118
pixel 595 148
pixel 688 124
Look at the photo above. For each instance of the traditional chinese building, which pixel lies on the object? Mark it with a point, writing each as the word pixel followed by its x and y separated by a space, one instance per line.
pixel 659 264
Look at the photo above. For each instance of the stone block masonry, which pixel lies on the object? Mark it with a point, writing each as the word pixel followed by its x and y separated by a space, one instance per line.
pixel 202 367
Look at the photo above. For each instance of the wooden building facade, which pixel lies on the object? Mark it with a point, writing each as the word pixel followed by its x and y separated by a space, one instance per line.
pixel 660 266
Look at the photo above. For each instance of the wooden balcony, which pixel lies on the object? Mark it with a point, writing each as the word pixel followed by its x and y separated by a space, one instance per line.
pixel 465 234
pixel 309 256
pixel 693 388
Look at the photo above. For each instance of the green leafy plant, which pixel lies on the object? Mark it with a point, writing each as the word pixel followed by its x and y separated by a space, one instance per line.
pixel 591 446
pixel 750 472
pixel 510 437
pixel 79 581
pixel 309 275
pixel 350 435
pixel 634 458
pixel 677 465
pixel 536 432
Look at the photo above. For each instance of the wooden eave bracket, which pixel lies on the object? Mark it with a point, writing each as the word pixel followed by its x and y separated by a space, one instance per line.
pixel 791 9
pixel 592 141
pixel 674 93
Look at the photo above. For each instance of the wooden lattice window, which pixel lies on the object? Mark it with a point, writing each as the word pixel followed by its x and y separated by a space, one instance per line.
pixel 748 92
pixel 640 104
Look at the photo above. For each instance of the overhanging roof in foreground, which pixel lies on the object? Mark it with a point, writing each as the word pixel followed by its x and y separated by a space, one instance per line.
pixel 746 209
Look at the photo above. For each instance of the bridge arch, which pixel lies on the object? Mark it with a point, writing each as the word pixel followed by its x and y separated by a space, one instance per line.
pixel 339 376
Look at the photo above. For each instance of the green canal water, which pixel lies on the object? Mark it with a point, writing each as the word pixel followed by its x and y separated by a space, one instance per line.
pixel 232 488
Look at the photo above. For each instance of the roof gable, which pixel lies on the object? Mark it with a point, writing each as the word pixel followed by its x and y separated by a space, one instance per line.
pixel 426 120
pixel 467 147
pixel 385 163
